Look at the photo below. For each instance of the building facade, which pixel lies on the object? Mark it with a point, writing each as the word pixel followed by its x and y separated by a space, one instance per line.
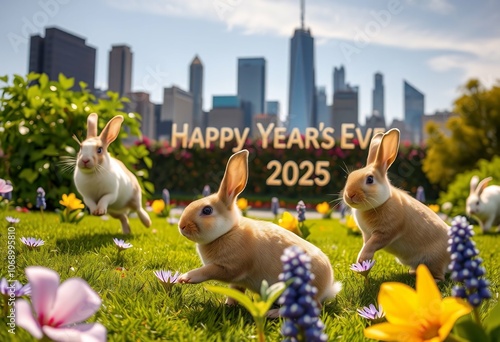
pixel 414 111
pixel 120 69
pixel 378 96
pixel 62 52
pixel 339 79
pixel 177 107
pixel 252 86
pixel 302 88
pixel 344 109
pixel 196 89
pixel 322 107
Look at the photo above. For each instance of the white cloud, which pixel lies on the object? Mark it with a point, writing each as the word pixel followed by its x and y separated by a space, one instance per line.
pixel 476 56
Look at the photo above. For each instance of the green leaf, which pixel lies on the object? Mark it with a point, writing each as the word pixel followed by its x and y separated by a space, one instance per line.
pixel 33 91
pixel 149 187
pixel 493 320
pixel 4 78
pixel 66 83
pixel 28 175
pixel 44 80
pixel 468 329
pixel 235 294
pixel 52 151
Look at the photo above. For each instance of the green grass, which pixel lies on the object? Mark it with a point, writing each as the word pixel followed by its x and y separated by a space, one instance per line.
pixel 136 308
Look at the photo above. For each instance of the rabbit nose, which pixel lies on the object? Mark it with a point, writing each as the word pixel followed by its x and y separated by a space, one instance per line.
pixel 85 161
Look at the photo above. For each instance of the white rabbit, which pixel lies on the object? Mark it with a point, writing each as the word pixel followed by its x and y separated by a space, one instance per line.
pixel 106 185
pixel 243 251
pixel 391 219
pixel 483 203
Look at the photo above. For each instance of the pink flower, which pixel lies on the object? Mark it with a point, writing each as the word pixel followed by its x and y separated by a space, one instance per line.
pixel 4 187
pixel 57 310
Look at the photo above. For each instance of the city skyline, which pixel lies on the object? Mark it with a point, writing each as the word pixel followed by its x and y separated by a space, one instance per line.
pixel 437 59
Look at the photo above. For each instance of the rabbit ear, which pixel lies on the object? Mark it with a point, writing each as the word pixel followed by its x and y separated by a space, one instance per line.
pixel 387 150
pixel 374 144
pixel 235 178
pixel 482 184
pixel 111 131
pixel 92 126
pixel 473 184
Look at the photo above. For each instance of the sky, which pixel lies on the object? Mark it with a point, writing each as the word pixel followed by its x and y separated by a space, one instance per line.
pixel 436 45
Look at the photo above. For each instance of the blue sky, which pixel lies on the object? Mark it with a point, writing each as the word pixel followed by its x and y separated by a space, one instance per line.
pixel 436 45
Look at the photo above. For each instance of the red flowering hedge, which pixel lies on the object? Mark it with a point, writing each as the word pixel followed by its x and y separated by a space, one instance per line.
pixel 186 171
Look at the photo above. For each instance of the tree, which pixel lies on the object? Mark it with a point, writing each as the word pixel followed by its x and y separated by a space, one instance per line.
pixel 474 134
pixel 38 118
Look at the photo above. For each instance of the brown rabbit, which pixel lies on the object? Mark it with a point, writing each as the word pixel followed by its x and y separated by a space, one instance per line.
pixel 239 250
pixel 391 219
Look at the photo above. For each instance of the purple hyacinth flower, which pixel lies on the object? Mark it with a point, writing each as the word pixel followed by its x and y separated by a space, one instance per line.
pixel 121 244
pixel 206 191
pixel 15 288
pixel 275 205
pixel 371 312
pixel 166 197
pixel 40 198
pixel 32 242
pixel 299 308
pixel 301 211
pixel 465 264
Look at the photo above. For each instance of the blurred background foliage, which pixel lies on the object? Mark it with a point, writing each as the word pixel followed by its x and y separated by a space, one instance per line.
pixel 38 118
pixel 474 135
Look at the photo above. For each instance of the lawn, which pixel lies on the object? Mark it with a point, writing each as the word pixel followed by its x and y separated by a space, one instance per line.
pixel 136 308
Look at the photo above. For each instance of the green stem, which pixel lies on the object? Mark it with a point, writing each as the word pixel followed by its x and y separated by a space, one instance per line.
pixel 477 317
pixel 260 322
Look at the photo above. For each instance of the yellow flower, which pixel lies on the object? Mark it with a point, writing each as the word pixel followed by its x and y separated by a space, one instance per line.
pixel 434 207
pixel 71 202
pixel 290 222
pixel 242 203
pixel 158 206
pixel 416 315
pixel 323 208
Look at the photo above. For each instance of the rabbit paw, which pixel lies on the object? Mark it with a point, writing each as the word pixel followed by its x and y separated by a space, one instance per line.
pixel 184 279
pixel 99 211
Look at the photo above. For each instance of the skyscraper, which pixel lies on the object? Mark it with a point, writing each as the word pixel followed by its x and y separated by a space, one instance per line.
pixel 378 96
pixel 62 52
pixel 177 107
pixel 345 109
pixel 323 113
pixel 196 88
pixel 252 86
pixel 414 111
pixel 120 69
pixel 339 79
pixel 273 108
pixel 301 96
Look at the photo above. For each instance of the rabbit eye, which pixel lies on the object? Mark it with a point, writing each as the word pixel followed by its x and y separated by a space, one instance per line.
pixel 207 210
pixel 99 150
pixel 369 180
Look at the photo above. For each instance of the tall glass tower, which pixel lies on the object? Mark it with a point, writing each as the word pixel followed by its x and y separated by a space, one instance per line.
pixel 301 96
pixel 414 111
pixel 252 86
pixel 196 88
pixel 378 96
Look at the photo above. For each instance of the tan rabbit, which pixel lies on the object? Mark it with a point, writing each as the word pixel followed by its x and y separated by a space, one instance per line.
pixel 106 185
pixel 389 218
pixel 239 250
